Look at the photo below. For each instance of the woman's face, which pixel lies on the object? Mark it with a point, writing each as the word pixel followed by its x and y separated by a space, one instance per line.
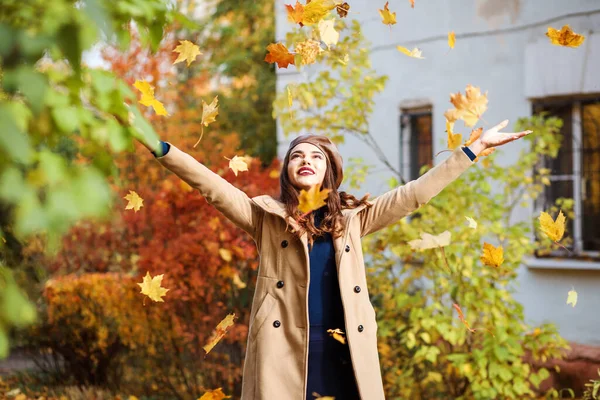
pixel 306 166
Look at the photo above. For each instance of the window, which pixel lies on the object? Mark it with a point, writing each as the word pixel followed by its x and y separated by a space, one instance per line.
pixel 416 141
pixel 575 173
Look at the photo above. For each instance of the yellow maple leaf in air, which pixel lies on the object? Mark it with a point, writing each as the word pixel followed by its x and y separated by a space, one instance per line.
pixel 219 332
pixel 316 10
pixel 429 241
pixel 387 17
pixel 469 107
pixel 309 50
pixel 572 297
pixel 327 32
pixel 492 256
pixel 454 139
pixel 148 99
pixel 188 52
pixel 134 201
pixel 554 229
pixel 414 53
pixel 237 164
pixel 151 287
pixel 313 199
pixel 338 335
pixel 451 39
pixel 209 115
pixel 565 37
pixel 216 394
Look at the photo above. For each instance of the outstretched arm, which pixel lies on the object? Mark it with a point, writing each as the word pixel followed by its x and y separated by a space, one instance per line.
pixel 229 200
pixel 397 203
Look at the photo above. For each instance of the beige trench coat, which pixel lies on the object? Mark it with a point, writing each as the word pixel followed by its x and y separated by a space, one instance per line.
pixel 277 349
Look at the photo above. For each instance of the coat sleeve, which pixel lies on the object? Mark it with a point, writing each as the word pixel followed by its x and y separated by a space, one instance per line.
pixel 395 204
pixel 229 200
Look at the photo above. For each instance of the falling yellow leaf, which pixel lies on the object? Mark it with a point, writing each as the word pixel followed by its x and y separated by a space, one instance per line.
pixel 309 50
pixel 572 297
pixel 429 241
pixel 316 10
pixel 327 32
pixel 414 53
pixel 469 108
pixel 472 222
pixel 219 332
pixel 209 114
pixel 151 287
pixel 451 39
pixel 492 256
pixel 134 201
pixel 553 229
pixel 387 17
pixel 565 37
pixel 225 254
pixel 188 52
pixel 454 139
pixel 338 335
pixel 148 99
pixel 312 199
pixel 216 394
pixel 237 281
pixel 237 164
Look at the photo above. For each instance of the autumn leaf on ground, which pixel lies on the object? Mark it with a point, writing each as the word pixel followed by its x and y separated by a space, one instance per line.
pixel 316 10
pixel 387 17
pixel 151 287
pixel 469 108
pixel 429 241
pixel 308 50
pixel 313 199
pixel 216 394
pixel 219 332
pixel 565 37
pixel 338 335
pixel 554 229
pixel 237 164
pixel 188 52
pixel 327 32
pixel 572 297
pixel 148 99
pixel 295 14
pixel 472 222
pixel 414 53
pixel 342 9
pixel 451 39
pixel 454 139
pixel 209 115
pixel 492 256
pixel 134 201
pixel 279 54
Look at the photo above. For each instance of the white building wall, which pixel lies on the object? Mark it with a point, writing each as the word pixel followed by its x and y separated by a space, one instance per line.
pixel 502 48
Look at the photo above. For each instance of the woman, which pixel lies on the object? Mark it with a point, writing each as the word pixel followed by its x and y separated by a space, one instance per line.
pixel 311 274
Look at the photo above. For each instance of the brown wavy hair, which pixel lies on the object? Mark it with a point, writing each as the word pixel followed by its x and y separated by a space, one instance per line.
pixel 336 202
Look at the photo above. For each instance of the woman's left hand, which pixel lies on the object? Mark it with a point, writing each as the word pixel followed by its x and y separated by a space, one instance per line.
pixel 493 137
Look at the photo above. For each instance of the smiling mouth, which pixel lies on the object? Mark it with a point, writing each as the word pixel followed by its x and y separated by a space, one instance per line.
pixel 305 171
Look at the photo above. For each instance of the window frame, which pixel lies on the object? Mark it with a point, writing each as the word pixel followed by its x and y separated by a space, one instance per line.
pixel 406 136
pixel 576 104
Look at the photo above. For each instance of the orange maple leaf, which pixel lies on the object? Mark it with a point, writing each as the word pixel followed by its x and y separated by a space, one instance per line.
pixel 295 14
pixel 279 54
pixel 565 37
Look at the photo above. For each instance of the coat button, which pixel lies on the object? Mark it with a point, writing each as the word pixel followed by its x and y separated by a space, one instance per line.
pixel 276 324
pixel 347 248
pixel 357 289
pixel 360 328
pixel 280 284
pixel 284 244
